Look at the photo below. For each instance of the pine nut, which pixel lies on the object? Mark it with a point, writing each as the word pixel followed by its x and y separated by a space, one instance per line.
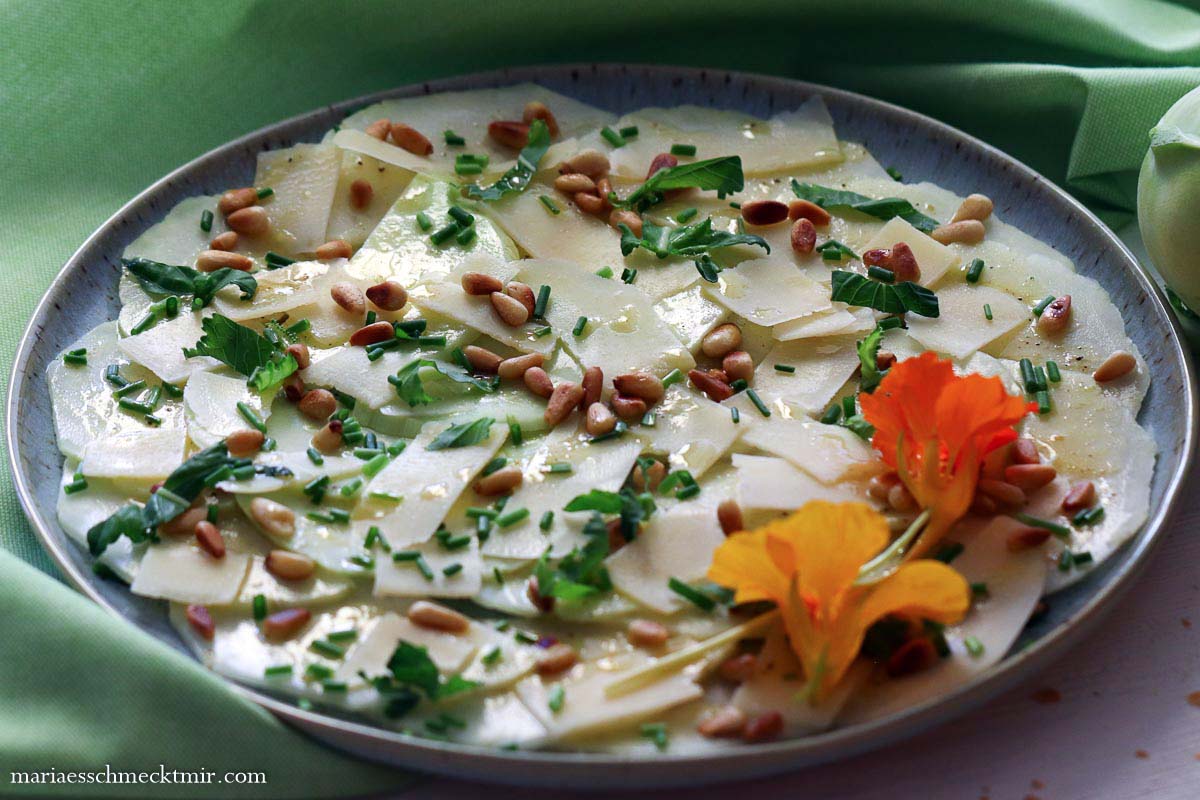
pixel 1026 538
pixel 276 519
pixel 212 260
pixel 250 221
pixel 409 138
pixel 806 209
pixel 729 515
pixel 237 199
pixel 1030 477
pixel 590 203
pixel 539 382
pixel 437 617
pixel 967 231
pixel 502 481
pixel 535 110
pixel 764 212
pixel 1080 496
pixel 511 369
pixel 879 485
pixel 318 404
pixel 640 384
pixel 283 625
pixel 600 420
pixel 739 668
pixel 721 340
pixel 374 333
pixel 738 365
pixel 574 182
pixel 717 390
pixel 244 443
pixel 592 163
pixel 200 618
pixel 1024 451
pixel 510 310
pixel 628 408
pixel 763 728
pixel 388 296
pixel 482 360
pixel 361 194
pixel 509 133
pixel 899 259
pixel 1002 492
pixel 1056 316
pixel 210 539
pixel 329 438
pixel 984 505
pixel 803 236
pixel 293 387
pixel 380 129
pixel 1118 365
pixel 915 655
pixel 289 566
pixel 542 603
pixel 480 283
pixel 627 218
pixel 593 387
pixel 647 633
pixel 524 293
pixel 562 402
pixel 224 241
pixel 299 351
pixel 603 190
pixel 335 248
pixel 648 478
pixel 555 659
pixel 901 499
pixel 976 206
pixel 349 297
pixel 727 722
pixel 185 523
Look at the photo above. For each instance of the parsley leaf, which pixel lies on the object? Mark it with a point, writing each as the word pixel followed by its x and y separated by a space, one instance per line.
pixel 462 435
pixel 723 175
pixel 517 179
pixel 868 350
pixel 158 278
pixel 691 241
pixel 893 298
pixel 884 208
pixel 244 349
pixel 632 508
pixel 411 389
pixel 411 665
pixel 580 573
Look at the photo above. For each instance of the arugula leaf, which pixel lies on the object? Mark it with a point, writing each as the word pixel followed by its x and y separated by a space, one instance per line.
pixel 244 349
pixel 868 350
pixel 411 389
pixel 691 241
pixel 722 174
pixel 127 522
pixel 462 435
pixel 893 298
pixel 411 665
pixel 158 278
pixel 517 179
pixel 884 208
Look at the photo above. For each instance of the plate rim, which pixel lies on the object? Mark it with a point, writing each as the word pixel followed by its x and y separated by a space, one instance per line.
pixel 764 758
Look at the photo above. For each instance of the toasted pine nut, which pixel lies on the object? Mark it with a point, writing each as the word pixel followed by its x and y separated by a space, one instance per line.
pixel 562 402
pixel 509 133
pixel 249 221
pixel 1030 476
pixel 885 359
pixel 335 248
pixel 480 283
pixel 1002 492
pixel 739 668
pixel 1024 451
pixel 901 499
pixel 1026 538
pixel 482 360
pixel 738 365
pixel 899 259
pixel 966 231
pixel 200 618
pixel 237 199
pixel 574 182
pixel 916 655
pixel 522 292
pixel 276 519
pixel 590 203
pixel 1118 365
pixel 593 387
pixel 409 138
pixel 212 260
pixel 318 404
pixel 543 603
pixel 329 438
pixel 727 722
pixel 806 209
pixel 640 384
pixel 437 617
pixel 600 420
pixel 729 515
pixel 1056 316
pixel 361 194
pixel 293 388
pixel 185 523
pixel 510 310
pixel 764 212
pixel 380 129
pixel 224 241
pixel 539 382
pixel 628 408
pixel 630 219
pixel 555 659
pixel 716 389
pixel 647 633
pixel 374 333
pixel 721 340
pixel 660 162
pixel 502 481
pixel 349 297
pixel 283 625
pixel 289 566
pixel 648 478
pixel 1080 496
pixel 511 369
pixel 299 351
pixel 210 539
pixel 592 163
pixel 976 206
pixel 984 505
pixel 244 443
pixel 803 236
pixel 388 296
pixel 879 485
pixel 535 110
pixel 603 190
pixel 763 728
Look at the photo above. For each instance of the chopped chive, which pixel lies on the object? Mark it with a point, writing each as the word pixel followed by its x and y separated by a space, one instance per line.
pixel 366 562
pixel 1052 372
pixel 949 551
pixel 343 398
pixel 1084 557
pixel 543 299
pixel 788 368
pixel 496 463
pixel 352 488
pixel 512 517
pixel 492 656
pixel 979 589
pixel 882 274
pixel 243 473
pixel 671 378
pixel 277 671
pixel 1061 531
pixel 975 271
pixel 735 415
pixel 758 403
pixel 371 317
pixel 135 406
pixel 556 698
pixel 112 374
pixel 416 558
pixel 264 192
pixel 146 324
pixel 558 468
pixel 987 311
pixel 735 205
pixel 315 456
pixel 617 431
pixel 251 417
pixel 657 733
pixel 550 205
pixel 546 521
pixel 1065 561
pixel 152 420
pixel 424 221
pixel 206 220
pixel 461 216
pixel 525 638
pixel 629 275
pixel 276 260
pixel 693 596
pixel 333 686
pixel 688 492
pixel 297 328
pixel 514 431
pixel 445 233
pixel 974 646
pixel 629 131
pixel 260 607
pixel 466 236
pixel 683 216
pixel 542 332
pixel 327 649
pixel 1088 516
pixel 498 576
pixel 1043 401
pixel 456 542
pixel 894 174
pixel 683 149
pixel 1041 305
pixel 1039 377
pixel 387 497
pixel 612 137
pixel 171 390
pixel 453 139
pixel 475 512
pixel 315 489
pixel 77 485
pixel 452 569
pixel 75 359
pixel 1028 377
pixel 605 272
pixel 483 528
pixel 832 414
pixel 580 324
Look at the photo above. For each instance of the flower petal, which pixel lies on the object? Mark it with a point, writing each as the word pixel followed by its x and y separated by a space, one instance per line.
pixel 742 563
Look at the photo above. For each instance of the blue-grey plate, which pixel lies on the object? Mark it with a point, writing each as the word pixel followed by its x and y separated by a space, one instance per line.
pixel 921 148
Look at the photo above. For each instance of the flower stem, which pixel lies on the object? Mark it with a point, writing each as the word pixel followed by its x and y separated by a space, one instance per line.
pixel 882 565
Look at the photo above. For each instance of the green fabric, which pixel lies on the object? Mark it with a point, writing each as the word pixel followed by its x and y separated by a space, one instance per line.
pixel 101 98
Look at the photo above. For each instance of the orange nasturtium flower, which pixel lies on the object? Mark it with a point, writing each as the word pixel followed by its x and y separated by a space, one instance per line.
pixel 934 428
pixel 807 564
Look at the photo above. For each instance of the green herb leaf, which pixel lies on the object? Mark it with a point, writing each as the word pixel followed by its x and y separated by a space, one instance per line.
pixel 412 666
pixel 244 349
pixel 518 178
pixel 723 174
pixel 580 573
pixel 411 389
pixel 893 298
pixel 868 352
pixel 596 500
pixel 690 241
pixel 127 521
pixel 158 278
pixel 884 208
pixel 462 435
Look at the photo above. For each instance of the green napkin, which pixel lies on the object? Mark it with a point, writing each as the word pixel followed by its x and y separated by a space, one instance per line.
pixel 101 98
